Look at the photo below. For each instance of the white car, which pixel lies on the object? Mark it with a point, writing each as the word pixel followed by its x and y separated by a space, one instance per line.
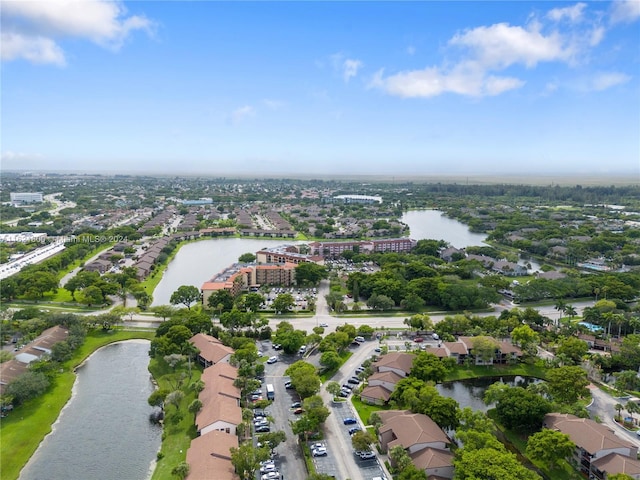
pixel 272 360
pixel 271 467
pixel 319 452
pixel 324 325
pixel 271 476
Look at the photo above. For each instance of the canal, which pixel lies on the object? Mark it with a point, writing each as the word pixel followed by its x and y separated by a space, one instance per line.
pixel 103 433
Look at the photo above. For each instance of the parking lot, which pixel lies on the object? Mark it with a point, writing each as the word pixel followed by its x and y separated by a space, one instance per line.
pixel 369 468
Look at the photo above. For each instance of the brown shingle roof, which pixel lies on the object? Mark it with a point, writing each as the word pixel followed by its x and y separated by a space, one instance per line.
pixel 585 433
pixel 376 392
pixel 209 456
pixel 211 349
pixel 400 361
pixel 616 463
pixel 389 377
pixel 411 428
pixel 432 458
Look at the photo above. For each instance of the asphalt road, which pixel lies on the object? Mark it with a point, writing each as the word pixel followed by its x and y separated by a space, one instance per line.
pixel 289 459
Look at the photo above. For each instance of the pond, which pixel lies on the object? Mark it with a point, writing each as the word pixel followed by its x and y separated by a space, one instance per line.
pixel 469 393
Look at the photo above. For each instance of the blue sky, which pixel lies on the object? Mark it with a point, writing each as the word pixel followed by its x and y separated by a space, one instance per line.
pixel 327 88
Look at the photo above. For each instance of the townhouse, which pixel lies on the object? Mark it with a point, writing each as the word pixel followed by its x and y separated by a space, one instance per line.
pixel 424 441
pixel 599 451
pixel 212 350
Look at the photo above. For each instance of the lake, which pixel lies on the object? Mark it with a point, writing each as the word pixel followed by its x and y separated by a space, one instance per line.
pixel 196 263
pixel 103 433
pixel 432 224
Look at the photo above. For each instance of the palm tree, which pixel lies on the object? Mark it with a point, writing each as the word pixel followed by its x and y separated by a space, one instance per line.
pixel 632 407
pixel 570 310
pixel 619 407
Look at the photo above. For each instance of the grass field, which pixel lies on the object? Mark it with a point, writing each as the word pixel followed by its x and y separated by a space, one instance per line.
pixel 27 425
pixel 176 437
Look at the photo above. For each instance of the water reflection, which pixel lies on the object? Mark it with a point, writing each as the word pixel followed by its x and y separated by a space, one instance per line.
pixel 469 393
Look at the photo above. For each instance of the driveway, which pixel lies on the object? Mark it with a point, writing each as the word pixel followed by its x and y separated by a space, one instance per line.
pixel 289 459
pixel 603 407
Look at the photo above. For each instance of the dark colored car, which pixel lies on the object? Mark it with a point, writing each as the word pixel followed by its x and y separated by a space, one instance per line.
pixel 349 421
pixel 263 429
pixel 418 339
pixel 353 430
pixel 354 381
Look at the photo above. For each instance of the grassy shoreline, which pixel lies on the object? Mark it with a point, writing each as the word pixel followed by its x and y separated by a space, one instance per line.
pixel 26 426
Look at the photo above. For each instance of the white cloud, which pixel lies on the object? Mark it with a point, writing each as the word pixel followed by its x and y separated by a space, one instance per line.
pixel 432 81
pixel 350 68
pixel 485 52
pixel 604 81
pixel 34 28
pixel 625 11
pixel 596 36
pixel 35 49
pixel 347 67
pixel 573 13
pixel 241 114
pixel 502 45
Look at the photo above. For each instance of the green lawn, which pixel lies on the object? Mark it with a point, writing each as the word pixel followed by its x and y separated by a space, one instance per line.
pixel 176 437
pixel 27 425
pixel 365 410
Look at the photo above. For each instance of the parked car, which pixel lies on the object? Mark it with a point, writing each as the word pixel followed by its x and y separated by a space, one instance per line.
pixel 324 325
pixel 418 339
pixel 353 430
pixel 349 421
pixel 271 467
pixel 354 381
pixel 343 393
pixel 272 360
pixel 277 346
pixel 319 452
pixel 346 386
pixel 263 429
pixel 288 385
pixel 271 476
pixel 296 405
pixel 360 370
pixel 298 411
pixel 367 455
pixel 260 413
pixel 377 349
pixel 302 350
pixel 317 445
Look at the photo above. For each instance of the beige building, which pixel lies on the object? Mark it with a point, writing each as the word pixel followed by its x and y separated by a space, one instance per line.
pixel 424 441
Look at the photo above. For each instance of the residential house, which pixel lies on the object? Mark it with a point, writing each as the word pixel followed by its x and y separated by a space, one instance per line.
pixel 220 400
pixel 212 350
pixel 209 456
pixel 388 370
pixel 424 441
pixel 599 451
pixel 31 352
